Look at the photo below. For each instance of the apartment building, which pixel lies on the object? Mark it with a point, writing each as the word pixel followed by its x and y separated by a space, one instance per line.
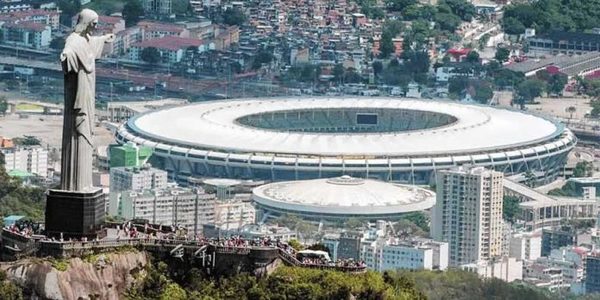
pixel 468 214
pixel 32 159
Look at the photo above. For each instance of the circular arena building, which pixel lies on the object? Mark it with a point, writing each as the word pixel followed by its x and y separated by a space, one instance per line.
pixel 395 139
pixel 340 198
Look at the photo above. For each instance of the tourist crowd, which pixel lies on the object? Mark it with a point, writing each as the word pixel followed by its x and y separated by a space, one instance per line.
pixel 26 228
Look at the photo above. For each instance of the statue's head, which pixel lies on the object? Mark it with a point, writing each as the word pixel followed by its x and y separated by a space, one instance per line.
pixel 86 21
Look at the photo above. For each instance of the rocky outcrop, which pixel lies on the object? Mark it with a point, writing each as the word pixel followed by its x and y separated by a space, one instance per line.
pixel 102 276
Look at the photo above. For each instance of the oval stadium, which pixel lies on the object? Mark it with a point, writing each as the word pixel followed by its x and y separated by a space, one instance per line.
pixel 391 139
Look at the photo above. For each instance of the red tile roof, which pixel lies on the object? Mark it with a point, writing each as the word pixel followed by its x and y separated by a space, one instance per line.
pixel 169 43
pixel 156 26
pixel 109 19
pixel 27 25
pixel 33 12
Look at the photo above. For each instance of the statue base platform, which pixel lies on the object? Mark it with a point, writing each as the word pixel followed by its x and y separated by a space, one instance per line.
pixel 74 214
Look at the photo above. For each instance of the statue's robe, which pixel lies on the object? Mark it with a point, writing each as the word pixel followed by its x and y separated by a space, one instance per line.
pixel 78 61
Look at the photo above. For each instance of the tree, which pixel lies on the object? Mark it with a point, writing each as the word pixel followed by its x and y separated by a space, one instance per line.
pixel 295 244
pixel 513 26
pixel 57 43
pixel 151 55
pixel 377 67
pixel 480 90
pixel 463 9
pixel 353 223
pixel 399 5
pixel 27 140
pixel 556 83
pixel 473 57
pixel 506 78
pixel 502 55
pixel 571 110
pixel 595 113
pixel 510 208
pixel 529 90
pixel 3 105
pixel 386 45
pixel 338 73
pixel 180 7
pixel 351 76
pixel 263 56
pixel 234 16
pixel 583 169
pixel 132 11
pixel 173 292
pixel 483 40
pixel 529 178
pixel 420 219
pixel 68 9
pixel 416 61
pixel 447 22
pixel 319 247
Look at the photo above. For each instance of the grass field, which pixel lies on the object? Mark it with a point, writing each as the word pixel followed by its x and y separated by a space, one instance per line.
pixel 29 107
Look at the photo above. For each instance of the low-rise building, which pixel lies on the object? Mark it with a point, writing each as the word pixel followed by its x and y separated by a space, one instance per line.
pixel 26 34
pixel 539 210
pixel 540 275
pixel 251 231
pixel 157 7
pixel 526 245
pixel 411 254
pixel 40 16
pixel 170 48
pixel 508 269
pixel 592 270
pixel 234 213
pixel 189 208
pixel 557 238
pixel 137 179
pixel 562 42
pixel 154 30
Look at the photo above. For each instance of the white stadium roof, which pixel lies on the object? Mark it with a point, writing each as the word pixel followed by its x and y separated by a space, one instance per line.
pixel 213 125
pixel 344 196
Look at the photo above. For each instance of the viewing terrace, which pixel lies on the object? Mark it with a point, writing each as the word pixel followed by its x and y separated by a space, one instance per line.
pixel 207 252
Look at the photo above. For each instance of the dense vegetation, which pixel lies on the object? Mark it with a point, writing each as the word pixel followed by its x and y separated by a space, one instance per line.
pixel 297 283
pixel 510 208
pixel 18 199
pixel 549 15
pixel 9 290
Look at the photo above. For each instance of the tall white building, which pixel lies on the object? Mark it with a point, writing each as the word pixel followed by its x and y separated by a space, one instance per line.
pixel 468 214
pixel 32 159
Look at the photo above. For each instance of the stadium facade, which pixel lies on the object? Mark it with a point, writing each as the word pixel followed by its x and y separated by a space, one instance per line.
pixel 391 139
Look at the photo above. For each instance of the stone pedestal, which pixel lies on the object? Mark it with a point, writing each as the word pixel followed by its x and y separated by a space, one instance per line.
pixel 74 214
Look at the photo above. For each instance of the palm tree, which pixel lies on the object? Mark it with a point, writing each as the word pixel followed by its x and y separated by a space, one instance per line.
pixel 571 110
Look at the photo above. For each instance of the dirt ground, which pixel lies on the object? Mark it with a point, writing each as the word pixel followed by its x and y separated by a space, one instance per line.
pixel 558 106
pixel 47 128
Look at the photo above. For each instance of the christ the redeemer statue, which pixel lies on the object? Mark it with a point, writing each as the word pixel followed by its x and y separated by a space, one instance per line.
pixel 78 61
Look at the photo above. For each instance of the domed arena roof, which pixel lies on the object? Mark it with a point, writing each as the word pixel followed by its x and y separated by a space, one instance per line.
pixel 343 196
